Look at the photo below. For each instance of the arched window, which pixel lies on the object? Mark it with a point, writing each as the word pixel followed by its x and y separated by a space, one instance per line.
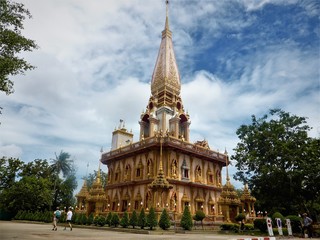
pixel 184 170
pixel 139 170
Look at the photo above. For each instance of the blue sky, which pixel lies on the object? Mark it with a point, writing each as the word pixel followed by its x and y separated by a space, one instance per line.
pixel 96 58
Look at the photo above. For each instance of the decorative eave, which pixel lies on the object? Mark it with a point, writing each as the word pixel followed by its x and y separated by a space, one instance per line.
pixel 185 198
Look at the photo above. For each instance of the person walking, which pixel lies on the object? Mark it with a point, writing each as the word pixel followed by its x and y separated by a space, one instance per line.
pixel 307 225
pixel 69 217
pixel 56 217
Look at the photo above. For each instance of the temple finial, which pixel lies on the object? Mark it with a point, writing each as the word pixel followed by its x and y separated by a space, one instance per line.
pixel 167 18
pixel 227 163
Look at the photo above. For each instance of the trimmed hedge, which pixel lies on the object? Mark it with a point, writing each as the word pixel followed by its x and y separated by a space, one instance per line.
pixel 46 216
pixel 260 224
pixel 229 227
pixel 295 223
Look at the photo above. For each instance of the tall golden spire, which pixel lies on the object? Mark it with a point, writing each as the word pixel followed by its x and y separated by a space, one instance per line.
pixel 165 82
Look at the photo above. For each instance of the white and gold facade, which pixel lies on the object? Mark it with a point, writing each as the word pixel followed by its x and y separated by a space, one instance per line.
pixel 163 169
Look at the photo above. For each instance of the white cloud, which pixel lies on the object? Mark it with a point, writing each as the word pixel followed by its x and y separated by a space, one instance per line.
pixel 96 59
pixel 10 150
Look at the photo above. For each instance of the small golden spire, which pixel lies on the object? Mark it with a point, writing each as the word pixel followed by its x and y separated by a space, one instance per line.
pixel 227 163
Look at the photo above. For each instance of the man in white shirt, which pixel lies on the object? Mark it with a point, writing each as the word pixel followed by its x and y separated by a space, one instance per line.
pixel 69 217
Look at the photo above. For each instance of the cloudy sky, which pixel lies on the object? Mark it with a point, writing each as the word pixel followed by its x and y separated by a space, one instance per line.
pixel 96 58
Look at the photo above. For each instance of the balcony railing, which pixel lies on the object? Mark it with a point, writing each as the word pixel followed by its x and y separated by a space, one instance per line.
pixel 166 141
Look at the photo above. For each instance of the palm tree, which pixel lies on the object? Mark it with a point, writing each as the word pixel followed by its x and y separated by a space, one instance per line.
pixel 61 164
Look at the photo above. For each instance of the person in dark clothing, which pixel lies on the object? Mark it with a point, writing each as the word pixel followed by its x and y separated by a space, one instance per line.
pixel 307 225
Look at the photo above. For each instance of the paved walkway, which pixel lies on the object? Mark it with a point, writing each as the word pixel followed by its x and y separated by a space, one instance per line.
pixel 26 231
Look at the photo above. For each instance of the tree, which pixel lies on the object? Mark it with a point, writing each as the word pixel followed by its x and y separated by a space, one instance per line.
pixel 142 221
pixel 152 219
pixel 65 189
pixel 9 169
pixel 199 216
pixel 279 162
pixel 25 186
pixel 37 168
pixel 12 43
pixel 164 221
pixel 24 194
pixel 29 193
pixel 90 219
pixel 115 219
pixel 186 219
pixel 125 220
pixel 61 164
pixel 133 219
pixel 108 219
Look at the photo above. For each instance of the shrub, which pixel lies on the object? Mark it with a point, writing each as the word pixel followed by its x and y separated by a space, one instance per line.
pixel 18 215
pixel 199 216
pixel 240 217
pixel 108 219
pixel 229 227
pixel 125 220
pixel 295 223
pixel 277 215
pixel 186 219
pixel 77 218
pixel 133 219
pixel 142 220
pixel 83 219
pixel 115 220
pixel 164 221
pixel 152 219
pixel 90 219
pixel 276 232
pixel 260 224
pixel 248 226
pixel 96 220
pixel 99 221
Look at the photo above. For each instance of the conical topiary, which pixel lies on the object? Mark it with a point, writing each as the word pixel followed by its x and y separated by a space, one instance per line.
pixel 90 219
pixel 108 219
pixel 83 220
pixel 152 219
pixel 133 219
pixel 186 219
pixel 142 220
pixel 164 221
pixel 115 220
pixel 125 220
